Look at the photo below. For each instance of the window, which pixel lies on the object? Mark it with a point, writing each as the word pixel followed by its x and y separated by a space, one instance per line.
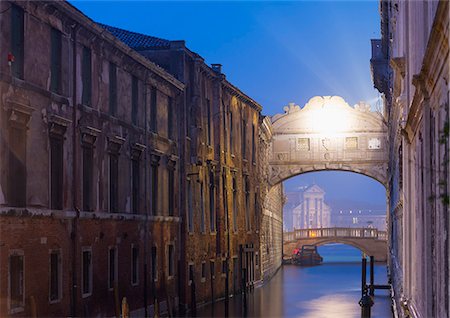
pixel 55 276
pixel 212 270
pixel 153 110
pixel 191 273
pixel 244 139
pixel 171 264
pixel 202 209
pixel 55 61
pixel 203 271
pixel 88 158
pixel 17 41
pixel 16 283
pixel 171 191
pixel 134 265
pixel 170 118
pixel 231 132
pixel 208 121
pixel 253 144
pixel 86 272
pixel 190 208
pixel 113 182
pixel 56 173
pixel 17 173
pixel 134 100
pixel 256 259
pixel 225 200
pixel 235 227
pixel 224 266
pixel 212 204
pixel 112 89
pixel 154 263
pixel 112 267
pixel 154 179
pixel 86 77
pixel 247 205
pixel 135 188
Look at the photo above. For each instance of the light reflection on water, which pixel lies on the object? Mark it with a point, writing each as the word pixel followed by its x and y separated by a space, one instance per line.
pixel 337 306
pixel 331 290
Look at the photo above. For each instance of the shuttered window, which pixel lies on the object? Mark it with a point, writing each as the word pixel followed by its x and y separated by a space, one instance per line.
pixel 16 281
pixel 55 276
pixel 112 89
pixel 17 173
pixel 170 118
pixel 171 191
pixel 17 40
pixel 55 61
pixel 88 157
pixel 154 178
pixel 134 265
pixel 134 100
pixel 86 77
pixel 135 185
pixel 153 110
pixel 56 173
pixel 113 182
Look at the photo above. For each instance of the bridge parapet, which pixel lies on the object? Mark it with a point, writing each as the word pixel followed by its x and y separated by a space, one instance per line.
pixel 335 232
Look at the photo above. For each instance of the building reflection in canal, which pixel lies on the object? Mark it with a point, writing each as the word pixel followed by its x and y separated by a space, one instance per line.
pixel 329 290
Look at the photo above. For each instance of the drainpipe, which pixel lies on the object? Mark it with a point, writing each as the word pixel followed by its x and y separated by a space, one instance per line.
pixel 74 233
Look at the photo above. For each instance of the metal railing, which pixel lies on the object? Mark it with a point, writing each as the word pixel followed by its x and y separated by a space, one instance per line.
pixel 335 232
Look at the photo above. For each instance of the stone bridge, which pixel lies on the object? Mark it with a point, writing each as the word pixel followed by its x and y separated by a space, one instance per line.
pixel 370 241
pixel 328 134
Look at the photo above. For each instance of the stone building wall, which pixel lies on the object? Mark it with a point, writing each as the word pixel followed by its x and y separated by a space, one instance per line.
pixel 63 145
pixel 272 200
pixel 411 67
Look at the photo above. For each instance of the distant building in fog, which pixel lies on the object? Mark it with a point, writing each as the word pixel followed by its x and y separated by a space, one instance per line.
pixel 359 218
pixel 312 212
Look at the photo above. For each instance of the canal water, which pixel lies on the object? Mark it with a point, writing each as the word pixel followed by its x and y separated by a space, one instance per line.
pixel 330 290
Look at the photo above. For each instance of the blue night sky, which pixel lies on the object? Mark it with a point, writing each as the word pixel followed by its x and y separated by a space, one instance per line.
pixel 276 52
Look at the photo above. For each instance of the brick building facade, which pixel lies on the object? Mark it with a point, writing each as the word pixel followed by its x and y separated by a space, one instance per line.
pixel 122 178
pixel 89 154
pixel 220 231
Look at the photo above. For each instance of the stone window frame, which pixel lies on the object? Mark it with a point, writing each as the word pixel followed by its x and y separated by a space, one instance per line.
pixel 154 179
pixel 88 139
pixel 203 272
pixel 202 208
pixel 169 262
pixel 132 263
pixel 171 164
pixel 154 265
pixel 190 278
pixel 212 268
pixel 21 308
pixel 189 206
pixel 91 270
pixel 136 151
pixel 111 285
pixel 212 192
pixel 114 143
pixel 58 251
pixel 57 127
pixel 224 267
pixel 19 115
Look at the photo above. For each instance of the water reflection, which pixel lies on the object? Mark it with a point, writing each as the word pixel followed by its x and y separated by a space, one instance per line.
pixel 329 290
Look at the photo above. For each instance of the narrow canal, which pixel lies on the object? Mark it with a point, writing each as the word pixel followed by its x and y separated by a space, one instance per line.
pixel 332 289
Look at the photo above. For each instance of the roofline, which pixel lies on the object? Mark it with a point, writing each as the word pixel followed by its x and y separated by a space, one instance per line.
pixel 242 95
pixel 90 24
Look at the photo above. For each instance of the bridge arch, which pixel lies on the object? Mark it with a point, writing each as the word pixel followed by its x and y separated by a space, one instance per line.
pixel 328 134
